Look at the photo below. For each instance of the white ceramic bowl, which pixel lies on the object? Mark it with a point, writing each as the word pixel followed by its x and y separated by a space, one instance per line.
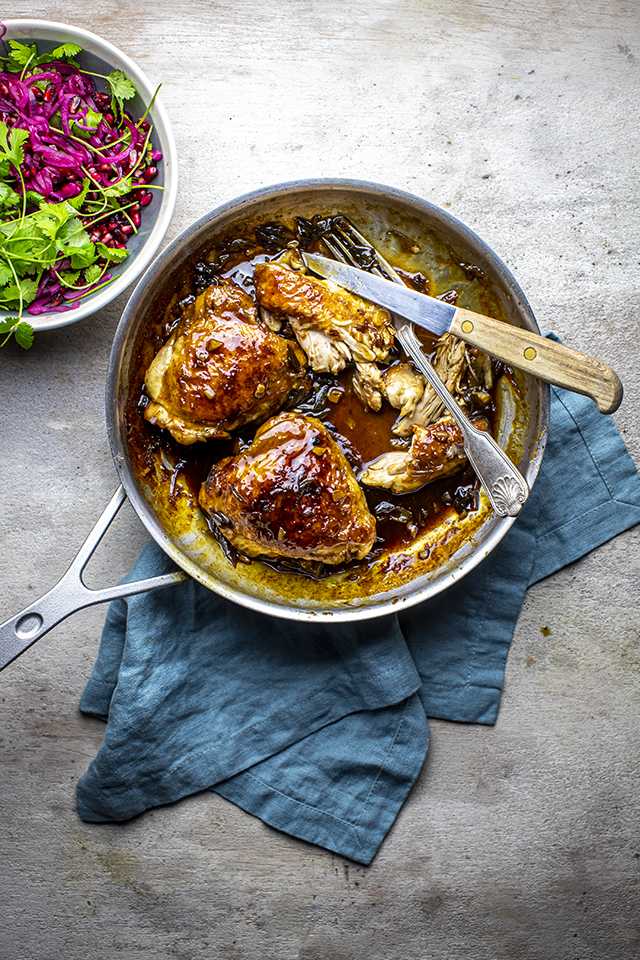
pixel 99 56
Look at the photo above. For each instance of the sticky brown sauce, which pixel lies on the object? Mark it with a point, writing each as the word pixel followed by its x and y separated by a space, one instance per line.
pixel 362 434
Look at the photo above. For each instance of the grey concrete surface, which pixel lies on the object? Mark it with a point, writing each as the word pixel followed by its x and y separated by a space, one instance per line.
pixel 519 841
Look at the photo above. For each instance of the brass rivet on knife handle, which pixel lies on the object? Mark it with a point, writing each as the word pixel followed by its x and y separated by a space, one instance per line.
pixel 550 361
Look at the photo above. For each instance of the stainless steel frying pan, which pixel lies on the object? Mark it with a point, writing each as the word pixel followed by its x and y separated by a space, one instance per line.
pixel 389 217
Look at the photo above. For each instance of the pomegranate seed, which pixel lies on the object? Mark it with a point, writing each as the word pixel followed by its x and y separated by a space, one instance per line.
pixel 109 117
pixel 136 219
pixel 70 190
pixel 145 200
pixel 150 173
pixel 73 106
pixel 37 93
pixel 56 300
pixel 127 229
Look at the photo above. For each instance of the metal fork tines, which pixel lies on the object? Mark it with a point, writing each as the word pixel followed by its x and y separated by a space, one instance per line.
pixel 504 485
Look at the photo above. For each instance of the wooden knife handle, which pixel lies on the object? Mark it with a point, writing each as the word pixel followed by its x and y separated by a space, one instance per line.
pixel 545 359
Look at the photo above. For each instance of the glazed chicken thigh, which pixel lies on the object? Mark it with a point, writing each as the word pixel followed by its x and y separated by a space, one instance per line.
pixel 436 451
pixel 221 369
pixel 291 493
pixel 332 325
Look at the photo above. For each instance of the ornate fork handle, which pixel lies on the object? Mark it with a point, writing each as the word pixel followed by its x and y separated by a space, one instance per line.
pixel 504 485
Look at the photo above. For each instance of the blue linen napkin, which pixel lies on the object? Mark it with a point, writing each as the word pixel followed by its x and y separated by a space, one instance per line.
pixel 321 730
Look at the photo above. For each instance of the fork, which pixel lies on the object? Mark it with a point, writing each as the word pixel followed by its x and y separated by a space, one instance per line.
pixel 504 485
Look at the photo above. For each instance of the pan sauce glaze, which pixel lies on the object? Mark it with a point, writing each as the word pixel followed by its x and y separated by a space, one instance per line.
pixel 421 528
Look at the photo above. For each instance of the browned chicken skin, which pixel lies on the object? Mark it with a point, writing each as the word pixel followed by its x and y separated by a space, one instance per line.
pixel 221 368
pixel 436 451
pixel 293 494
pixel 332 325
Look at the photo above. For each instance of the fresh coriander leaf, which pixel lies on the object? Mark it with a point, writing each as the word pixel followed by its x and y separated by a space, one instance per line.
pixel 23 55
pixel 120 86
pixel 29 288
pixel 65 52
pixel 24 334
pixel 114 254
pixel 34 199
pixel 10 294
pixel 44 225
pixel 87 124
pixel 29 249
pixel 72 233
pixel 22 331
pixel 7 229
pixel 8 197
pixel 76 202
pixel 11 144
pixel 82 256
pixel 61 211
pixel 9 299
pixel 17 138
pixel 73 241
pixel 92 274
pixel 120 188
pixel 69 278
pixel 20 55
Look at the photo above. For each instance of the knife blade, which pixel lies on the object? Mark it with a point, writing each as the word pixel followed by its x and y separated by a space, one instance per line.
pixel 543 358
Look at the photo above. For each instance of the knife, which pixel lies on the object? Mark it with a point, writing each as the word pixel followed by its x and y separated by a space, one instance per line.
pixel 546 359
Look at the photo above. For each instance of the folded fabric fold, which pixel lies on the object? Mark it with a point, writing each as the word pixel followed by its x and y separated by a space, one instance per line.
pixel 322 730
pixel 205 689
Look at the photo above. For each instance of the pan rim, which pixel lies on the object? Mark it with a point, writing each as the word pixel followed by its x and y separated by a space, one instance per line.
pixel 122 462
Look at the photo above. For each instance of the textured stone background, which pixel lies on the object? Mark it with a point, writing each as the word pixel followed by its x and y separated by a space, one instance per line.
pixel 519 841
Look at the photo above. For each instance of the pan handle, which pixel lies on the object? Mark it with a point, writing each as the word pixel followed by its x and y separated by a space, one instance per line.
pixel 71 594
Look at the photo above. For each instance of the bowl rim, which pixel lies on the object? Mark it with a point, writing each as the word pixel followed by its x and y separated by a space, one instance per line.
pixel 92 43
